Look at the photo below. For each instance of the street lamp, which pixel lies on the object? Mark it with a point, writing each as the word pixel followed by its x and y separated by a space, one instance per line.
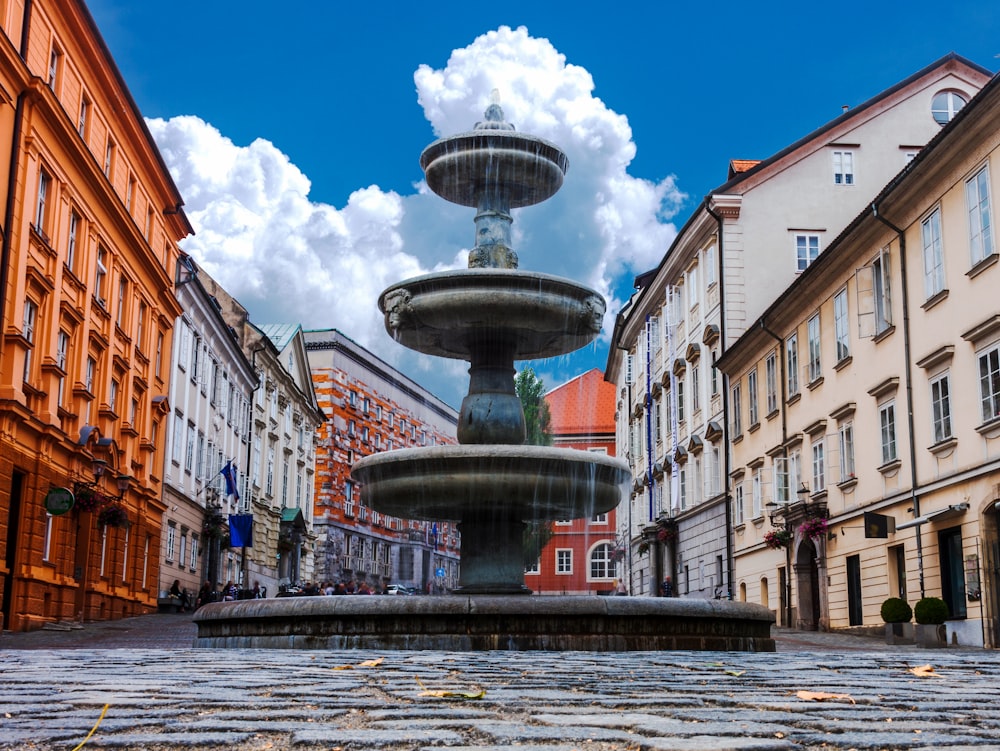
pixel 803 493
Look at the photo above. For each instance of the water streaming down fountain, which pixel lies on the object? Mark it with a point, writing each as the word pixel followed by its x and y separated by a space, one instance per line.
pixel 490 315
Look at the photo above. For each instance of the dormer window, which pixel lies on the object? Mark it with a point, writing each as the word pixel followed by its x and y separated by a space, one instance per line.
pixel 946 105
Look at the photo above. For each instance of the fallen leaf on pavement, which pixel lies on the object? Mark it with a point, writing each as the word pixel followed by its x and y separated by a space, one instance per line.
pixel 822 696
pixel 925 671
pixel 446 694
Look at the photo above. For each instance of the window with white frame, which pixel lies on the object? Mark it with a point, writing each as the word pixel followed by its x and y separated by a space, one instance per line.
pixel 738 508
pixel 62 348
pixel 680 398
pixel 100 276
pixel 787 474
pixel 81 120
pixel 945 105
pixel 840 325
pixel 887 431
pixel 941 407
pixel 189 448
pixel 534 567
pixel 682 486
pixel 843 167
pixel 806 250
pixel 815 366
pixel 933 254
pixel 989 383
pixel 47 537
pixel 193 562
pixel 753 410
pixel 122 300
pixel 44 185
pixel 692 287
pixel 845 434
pixel 737 411
pixel 695 386
pixel 601 564
pixel 757 492
pixel 171 540
pixel 599 519
pixel 657 421
pixel 710 265
pixel 564 561
pixel 182 550
pixel 715 372
pixel 713 471
pixel 771 382
pixel 818 465
pixel 74 232
pixel 977 199
pixel 792 361
pixel 28 332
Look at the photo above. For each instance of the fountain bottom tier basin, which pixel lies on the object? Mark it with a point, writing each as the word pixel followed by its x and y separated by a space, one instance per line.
pixel 485 622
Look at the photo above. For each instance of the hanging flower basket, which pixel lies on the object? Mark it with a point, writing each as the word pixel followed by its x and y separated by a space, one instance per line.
pixel 813 528
pixel 777 538
pixel 618 554
pixel 88 498
pixel 643 548
pixel 112 516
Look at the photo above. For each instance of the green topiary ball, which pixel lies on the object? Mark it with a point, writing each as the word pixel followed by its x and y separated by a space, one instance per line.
pixel 931 610
pixel 895 610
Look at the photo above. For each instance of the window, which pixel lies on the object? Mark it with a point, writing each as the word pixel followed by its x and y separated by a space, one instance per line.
pixel 109 157
pixel 193 563
pixel 564 561
pixel 941 407
pixel 737 422
pixel 599 518
pixel 806 250
pixel 44 185
pixel 171 540
pixel 91 369
pixel 28 331
pixel 695 387
pixel 682 486
pixel 74 229
pixel 815 367
pixel 113 395
pixel 881 288
pixel 81 120
pixel 738 508
pixel 710 265
pixel 989 383
pixel 944 106
pixel 680 399
pixel 757 493
pixel 55 59
pixel 818 465
pixel 47 538
pixel 533 568
pixel 753 416
pixel 977 199
pixel 62 348
pixel 792 359
pixel 933 254
pixel 130 194
pixel 887 423
pixel 846 437
pixel 771 382
pixel 601 565
pixel 122 297
pixel 692 287
pixel 101 275
pixel 182 553
pixel 843 167
pixel 140 326
pixel 159 353
pixel 840 325
pixel 715 372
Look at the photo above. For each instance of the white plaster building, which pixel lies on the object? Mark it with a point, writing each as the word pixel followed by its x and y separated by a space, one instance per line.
pixel 205 422
pixel 744 244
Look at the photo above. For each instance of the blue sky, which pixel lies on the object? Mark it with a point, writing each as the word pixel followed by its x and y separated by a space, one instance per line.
pixel 294 130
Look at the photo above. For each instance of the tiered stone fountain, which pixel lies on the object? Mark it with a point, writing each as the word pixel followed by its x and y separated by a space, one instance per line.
pixel 490 315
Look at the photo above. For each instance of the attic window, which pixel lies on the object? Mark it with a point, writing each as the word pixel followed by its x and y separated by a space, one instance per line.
pixel 945 105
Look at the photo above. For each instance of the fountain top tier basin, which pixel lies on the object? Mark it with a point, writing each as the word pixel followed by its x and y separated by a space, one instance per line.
pixel 501 482
pixel 494 165
pixel 528 315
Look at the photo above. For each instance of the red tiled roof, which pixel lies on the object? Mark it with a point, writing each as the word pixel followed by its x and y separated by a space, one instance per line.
pixel 584 405
pixel 736 166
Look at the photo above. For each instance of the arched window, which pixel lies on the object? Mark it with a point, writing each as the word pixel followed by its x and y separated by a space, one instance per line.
pixel 944 106
pixel 601 564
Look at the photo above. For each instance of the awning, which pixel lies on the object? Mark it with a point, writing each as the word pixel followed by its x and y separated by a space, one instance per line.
pixel 942 513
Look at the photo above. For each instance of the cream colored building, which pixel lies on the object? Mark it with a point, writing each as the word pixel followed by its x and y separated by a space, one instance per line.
pixel 869 392
pixel 746 242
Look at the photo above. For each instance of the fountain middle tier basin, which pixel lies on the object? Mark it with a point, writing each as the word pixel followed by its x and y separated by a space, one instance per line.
pixel 514 482
pixel 455 313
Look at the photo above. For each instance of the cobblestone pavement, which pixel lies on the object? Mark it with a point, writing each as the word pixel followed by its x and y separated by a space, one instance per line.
pixel 162 694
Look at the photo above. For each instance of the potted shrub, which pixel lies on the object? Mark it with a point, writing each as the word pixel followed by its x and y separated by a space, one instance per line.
pixel 897 614
pixel 930 614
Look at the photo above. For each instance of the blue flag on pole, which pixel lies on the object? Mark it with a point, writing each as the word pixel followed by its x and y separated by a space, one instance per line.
pixel 241 530
pixel 228 473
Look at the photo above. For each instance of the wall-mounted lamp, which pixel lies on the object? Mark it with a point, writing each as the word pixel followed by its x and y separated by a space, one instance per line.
pixel 803 493
pixel 186 270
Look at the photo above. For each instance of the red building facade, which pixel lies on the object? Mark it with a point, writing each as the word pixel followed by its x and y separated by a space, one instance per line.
pixel 580 557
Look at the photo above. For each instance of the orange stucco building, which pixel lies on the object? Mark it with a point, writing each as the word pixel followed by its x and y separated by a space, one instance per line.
pixel 91 221
pixel 579 558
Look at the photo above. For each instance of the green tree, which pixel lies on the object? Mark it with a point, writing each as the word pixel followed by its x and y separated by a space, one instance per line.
pixel 537 422
pixel 530 389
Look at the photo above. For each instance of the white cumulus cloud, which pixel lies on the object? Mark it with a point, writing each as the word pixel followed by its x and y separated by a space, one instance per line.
pixel 289 259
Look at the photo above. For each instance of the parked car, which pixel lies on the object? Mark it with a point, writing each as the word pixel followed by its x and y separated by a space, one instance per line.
pixel 399 589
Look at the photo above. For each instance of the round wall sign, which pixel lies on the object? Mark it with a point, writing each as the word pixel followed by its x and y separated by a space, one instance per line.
pixel 59 501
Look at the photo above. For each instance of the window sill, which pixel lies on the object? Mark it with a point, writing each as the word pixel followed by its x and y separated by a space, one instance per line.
pixel 772 414
pixel 847 486
pixel 944 449
pixel 990 428
pixel 737 438
pixel 815 383
pixel 754 428
pixel 883 334
pixel 843 363
pixel 889 469
pixel 982 265
pixel 935 299
pixel 794 398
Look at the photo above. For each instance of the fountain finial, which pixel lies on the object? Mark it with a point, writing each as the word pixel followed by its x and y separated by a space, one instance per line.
pixel 494 115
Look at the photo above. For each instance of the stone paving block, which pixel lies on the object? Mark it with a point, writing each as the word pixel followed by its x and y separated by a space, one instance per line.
pixel 369 738
pixel 167 740
pixel 708 743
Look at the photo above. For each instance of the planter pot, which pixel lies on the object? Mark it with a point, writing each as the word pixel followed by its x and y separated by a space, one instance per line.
pixel 930 635
pixel 899 633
